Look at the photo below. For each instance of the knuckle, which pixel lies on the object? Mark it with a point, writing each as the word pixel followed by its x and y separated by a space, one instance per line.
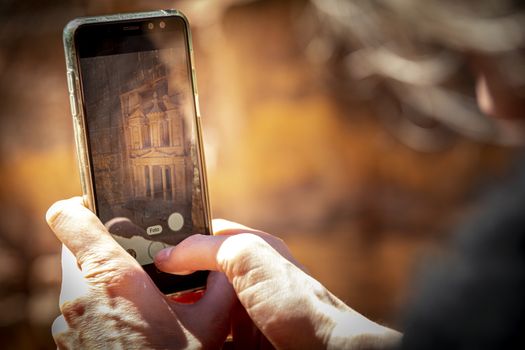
pixel 109 268
pixel 71 312
pixel 239 254
pixel 246 244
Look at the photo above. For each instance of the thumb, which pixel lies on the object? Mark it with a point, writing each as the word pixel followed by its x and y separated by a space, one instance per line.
pixel 85 236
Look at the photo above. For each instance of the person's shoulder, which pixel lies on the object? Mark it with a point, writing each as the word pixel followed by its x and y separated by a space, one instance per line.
pixel 497 229
pixel 473 297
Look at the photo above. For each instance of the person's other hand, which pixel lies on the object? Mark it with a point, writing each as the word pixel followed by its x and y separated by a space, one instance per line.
pixel 293 310
pixel 108 301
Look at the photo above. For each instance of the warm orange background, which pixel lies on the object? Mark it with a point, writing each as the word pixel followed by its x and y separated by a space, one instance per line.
pixel 285 154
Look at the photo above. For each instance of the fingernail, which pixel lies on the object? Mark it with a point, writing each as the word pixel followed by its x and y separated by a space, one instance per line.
pixel 163 255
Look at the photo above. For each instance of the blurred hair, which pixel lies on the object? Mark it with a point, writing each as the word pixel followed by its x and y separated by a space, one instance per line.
pixel 409 56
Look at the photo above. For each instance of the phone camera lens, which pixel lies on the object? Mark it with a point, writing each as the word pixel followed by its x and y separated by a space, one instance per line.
pixel 162 25
pixel 151 25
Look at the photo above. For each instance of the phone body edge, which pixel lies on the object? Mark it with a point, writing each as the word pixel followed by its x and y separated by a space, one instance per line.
pixel 79 117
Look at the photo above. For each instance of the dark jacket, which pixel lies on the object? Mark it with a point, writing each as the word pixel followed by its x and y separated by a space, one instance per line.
pixel 475 299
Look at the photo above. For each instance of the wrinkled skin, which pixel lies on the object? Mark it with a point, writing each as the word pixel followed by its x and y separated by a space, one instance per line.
pixel 108 301
pixel 291 309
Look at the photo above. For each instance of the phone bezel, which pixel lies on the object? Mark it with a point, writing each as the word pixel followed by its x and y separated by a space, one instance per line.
pixel 167 283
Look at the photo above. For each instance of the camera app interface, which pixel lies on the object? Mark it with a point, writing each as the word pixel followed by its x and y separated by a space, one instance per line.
pixel 141 132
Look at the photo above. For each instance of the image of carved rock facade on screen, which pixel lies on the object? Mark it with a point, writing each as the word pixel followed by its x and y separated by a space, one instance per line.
pixel 140 123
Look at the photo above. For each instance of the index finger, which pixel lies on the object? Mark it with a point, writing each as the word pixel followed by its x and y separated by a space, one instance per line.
pixel 234 255
pixel 197 252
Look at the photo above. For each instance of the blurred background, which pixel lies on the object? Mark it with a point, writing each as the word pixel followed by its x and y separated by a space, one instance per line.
pixel 348 128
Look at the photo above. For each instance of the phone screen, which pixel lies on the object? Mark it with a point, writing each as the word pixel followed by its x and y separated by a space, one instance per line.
pixel 141 131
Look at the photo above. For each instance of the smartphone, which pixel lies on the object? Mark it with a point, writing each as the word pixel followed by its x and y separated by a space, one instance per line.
pixel 134 102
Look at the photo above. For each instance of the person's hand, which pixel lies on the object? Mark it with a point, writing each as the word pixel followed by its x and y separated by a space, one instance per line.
pixel 108 301
pixel 293 310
